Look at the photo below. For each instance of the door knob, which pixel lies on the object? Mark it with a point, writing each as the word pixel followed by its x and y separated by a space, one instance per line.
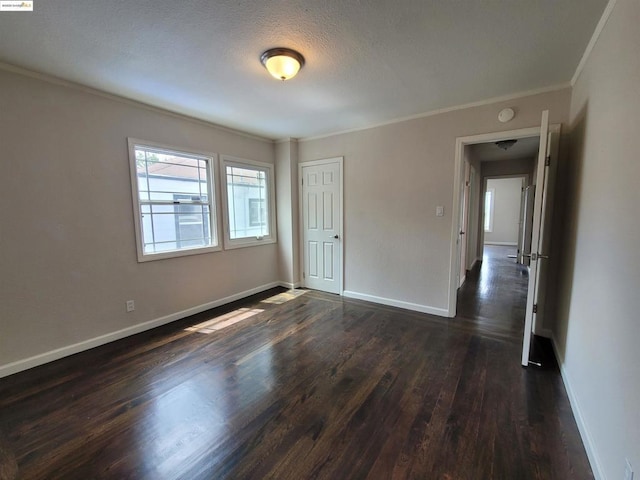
pixel 334 236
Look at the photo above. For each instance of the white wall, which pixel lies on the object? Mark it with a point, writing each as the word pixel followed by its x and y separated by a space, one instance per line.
pixel 67 242
pixel 395 176
pixel 598 316
pixel 286 153
pixel 506 210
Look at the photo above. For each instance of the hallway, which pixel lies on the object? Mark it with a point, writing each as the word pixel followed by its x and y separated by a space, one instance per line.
pixel 493 298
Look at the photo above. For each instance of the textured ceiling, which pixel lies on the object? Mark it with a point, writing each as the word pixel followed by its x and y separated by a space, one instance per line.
pixel 368 62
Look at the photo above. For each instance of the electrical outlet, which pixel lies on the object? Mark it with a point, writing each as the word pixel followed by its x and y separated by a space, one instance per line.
pixel 628 471
pixel 131 305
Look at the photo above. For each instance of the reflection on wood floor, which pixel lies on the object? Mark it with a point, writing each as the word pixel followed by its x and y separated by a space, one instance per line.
pixel 315 386
pixel 492 300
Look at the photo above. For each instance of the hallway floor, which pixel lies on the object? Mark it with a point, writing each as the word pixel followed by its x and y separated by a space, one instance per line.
pixel 494 295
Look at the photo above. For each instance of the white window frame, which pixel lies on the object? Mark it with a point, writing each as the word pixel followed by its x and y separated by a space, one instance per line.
pixel 492 202
pixel 229 243
pixel 213 202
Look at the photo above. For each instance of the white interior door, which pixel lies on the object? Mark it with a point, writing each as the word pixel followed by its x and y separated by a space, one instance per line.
pixel 521 222
pixel 538 239
pixel 322 225
pixel 472 220
pixel 464 223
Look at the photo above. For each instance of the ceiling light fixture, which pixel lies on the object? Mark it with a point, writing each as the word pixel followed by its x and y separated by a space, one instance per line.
pixel 506 144
pixel 282 63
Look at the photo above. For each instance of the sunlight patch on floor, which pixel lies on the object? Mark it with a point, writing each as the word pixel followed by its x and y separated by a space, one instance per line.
pixel 223 321
pixel 284 297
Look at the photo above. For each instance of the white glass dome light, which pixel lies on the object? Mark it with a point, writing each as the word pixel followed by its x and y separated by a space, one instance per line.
pixel 282 63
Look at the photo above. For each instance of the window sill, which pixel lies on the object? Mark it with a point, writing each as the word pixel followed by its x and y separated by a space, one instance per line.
pixel 150 257
pixel 247 242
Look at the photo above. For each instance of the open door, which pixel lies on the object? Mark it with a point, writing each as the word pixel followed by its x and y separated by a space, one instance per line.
pixel 464 225
pixel 538 237
pixel 521 218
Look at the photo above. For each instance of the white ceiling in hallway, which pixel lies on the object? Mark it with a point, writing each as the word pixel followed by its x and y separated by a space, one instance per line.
pixel 490 152
pixel 366 62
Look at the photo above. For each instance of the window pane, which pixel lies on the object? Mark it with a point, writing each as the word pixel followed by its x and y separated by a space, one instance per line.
pixel 257 212
pixel 488 199
pixel 175 208
pixel 192 223
pixel 247 200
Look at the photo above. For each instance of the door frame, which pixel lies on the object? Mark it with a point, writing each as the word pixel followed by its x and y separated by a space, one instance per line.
pixel 523 176
pixel 461 143
pixel 311 163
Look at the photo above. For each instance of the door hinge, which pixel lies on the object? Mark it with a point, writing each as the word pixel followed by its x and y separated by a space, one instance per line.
pixel 303 181
pixel 547 162
pixel 467 184
pixel 303 276
pixel 535 308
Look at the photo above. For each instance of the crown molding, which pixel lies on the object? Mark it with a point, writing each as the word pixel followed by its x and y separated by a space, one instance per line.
pixel 594 39
pixel 136 103
pixel 480 103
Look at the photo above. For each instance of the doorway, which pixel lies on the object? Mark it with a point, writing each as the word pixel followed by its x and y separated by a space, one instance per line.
pixel 484 162
pixel 504 211
pixel 542 174
pixel 495 293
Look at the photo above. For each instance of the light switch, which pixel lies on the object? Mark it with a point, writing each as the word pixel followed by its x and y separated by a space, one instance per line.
pixel 439 211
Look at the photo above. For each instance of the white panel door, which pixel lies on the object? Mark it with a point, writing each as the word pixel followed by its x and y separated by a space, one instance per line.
pixel 321 224
pixel 538 236
pixel 464 225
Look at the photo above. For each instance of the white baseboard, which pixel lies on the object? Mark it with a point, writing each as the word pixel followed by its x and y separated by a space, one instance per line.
pixel 587 438
pixel 289 285
pixel 27 363
pixel 507 244
pixel 442 312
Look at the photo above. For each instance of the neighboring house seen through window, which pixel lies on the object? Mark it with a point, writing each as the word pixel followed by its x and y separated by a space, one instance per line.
pixel 249 196
pixel 257 212
pixel 173 200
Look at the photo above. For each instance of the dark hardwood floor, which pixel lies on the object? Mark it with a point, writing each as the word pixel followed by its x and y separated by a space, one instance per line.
pixel 493 298
pixel 314 387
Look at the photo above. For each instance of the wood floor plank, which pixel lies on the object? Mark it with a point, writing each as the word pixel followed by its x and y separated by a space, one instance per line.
pixel 317 387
